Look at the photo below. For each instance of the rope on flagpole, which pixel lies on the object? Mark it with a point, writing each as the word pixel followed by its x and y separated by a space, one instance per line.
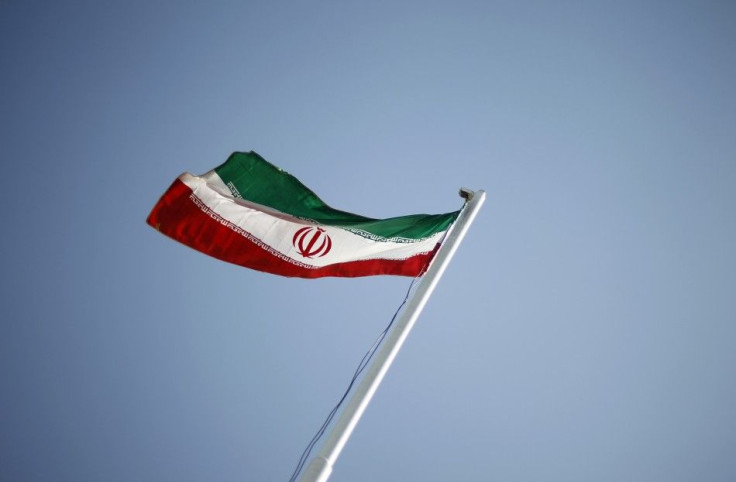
pixel 361 366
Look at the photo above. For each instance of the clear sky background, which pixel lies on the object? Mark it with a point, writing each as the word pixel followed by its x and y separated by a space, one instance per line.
pixel 586 329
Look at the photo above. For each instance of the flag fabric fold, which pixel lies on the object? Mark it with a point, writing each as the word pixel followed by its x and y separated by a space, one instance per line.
pixel 253 214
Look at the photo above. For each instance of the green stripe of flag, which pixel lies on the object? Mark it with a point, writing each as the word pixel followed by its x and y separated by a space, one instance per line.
pixel 251 177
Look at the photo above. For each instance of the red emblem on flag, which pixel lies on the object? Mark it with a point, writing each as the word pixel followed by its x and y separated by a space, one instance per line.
pixel 312 242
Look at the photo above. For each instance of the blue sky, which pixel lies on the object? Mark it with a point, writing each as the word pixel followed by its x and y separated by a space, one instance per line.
pixel 584 331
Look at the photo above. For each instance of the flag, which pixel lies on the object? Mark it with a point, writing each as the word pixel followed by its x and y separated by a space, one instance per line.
pixel 253 214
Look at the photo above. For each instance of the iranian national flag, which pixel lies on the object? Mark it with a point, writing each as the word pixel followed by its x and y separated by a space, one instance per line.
pixel 251 213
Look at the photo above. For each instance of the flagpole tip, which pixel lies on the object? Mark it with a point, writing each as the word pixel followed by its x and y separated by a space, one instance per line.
pixel 466 193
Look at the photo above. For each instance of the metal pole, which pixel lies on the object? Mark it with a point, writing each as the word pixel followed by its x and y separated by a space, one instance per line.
pixel 320 467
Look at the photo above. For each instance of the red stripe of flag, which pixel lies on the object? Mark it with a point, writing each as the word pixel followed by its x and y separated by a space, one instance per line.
pixel 178 217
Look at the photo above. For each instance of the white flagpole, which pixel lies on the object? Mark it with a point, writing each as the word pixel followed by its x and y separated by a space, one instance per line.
pixel 320 467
